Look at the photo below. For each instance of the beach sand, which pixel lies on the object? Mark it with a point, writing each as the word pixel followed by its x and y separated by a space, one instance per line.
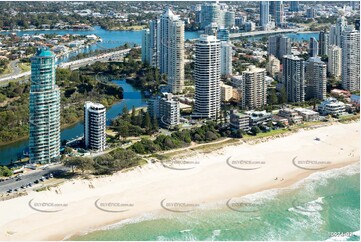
pixel 230 172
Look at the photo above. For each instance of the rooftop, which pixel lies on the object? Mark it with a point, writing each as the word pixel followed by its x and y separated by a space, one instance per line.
pixel 44 52
pixel 208 38
pixel 292 57
pixel 305 111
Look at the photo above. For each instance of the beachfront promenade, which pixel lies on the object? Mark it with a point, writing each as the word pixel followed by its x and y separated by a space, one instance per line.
pixel 73 65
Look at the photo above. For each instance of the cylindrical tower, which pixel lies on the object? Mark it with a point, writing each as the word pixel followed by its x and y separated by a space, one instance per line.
pixel 44 113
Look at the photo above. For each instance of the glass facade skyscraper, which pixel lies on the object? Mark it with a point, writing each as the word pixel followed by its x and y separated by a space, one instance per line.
pixel 44 113
pixel 263 13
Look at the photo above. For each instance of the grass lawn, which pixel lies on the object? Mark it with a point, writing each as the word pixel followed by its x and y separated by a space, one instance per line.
pixel 24 66
pixel 6 70
pixel 266 134
pixel 349 118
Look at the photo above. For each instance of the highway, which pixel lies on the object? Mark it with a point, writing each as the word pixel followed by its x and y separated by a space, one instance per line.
pixel 257 33
pixel 73 65
pixel 90 60
pixel 30 178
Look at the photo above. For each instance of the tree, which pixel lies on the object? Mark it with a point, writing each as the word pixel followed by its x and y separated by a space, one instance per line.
pixel 272 97
pixel 146 122
pixel 125 113
pixel 280 124
pixel 255 130
pixel 138 148
pixel 210 136
pixel 5 171
pixel 283 96
pixel 80 163
pixel 237 133
pixel 155 124
pixel 68 150
pixel 133 116
pixel 123 130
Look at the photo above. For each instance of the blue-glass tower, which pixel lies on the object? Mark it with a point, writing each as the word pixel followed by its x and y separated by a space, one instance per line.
pixel 44 113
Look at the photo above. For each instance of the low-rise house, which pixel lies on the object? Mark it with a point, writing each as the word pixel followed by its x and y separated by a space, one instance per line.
pixel 277 118
pixel 340 93
pixel 258 117
pixel 291 115
pixel 331 106
pixel 239 120
pixel 75 43
pixel 308 114
pixel 60 48
pixel 91 37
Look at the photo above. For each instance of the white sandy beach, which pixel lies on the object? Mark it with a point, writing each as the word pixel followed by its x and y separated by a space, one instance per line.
pixel 210 179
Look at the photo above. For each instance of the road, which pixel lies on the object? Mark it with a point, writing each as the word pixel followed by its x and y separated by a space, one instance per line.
pixel 30 178
pixel 73 65
pixel 90 60
pixel 256 33
pixel 15 69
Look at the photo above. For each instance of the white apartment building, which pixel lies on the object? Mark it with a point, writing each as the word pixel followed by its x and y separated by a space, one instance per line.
pixel 171 49
pixel 351 59
pixel 207 75
pixel 165 109
pixel 334 66
pixel 254 88
pixel 94 126
pixel 331 106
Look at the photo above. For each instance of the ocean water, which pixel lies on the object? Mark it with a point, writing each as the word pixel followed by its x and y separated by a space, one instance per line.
pixel 324 206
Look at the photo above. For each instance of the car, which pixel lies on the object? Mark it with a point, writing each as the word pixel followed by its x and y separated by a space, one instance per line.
pixel 15 190
pixel 9 191
pixel 18 179
pixel 41 179
pixel 51 175
pixel 29 185
pixel 22 187
pixel 36 181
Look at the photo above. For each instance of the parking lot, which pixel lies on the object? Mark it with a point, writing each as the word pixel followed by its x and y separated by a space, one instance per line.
pixel 31 179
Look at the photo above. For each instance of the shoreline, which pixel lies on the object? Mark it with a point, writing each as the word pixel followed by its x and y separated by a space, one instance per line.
pixel 29 30
pixel 292 184
pixel 157 182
